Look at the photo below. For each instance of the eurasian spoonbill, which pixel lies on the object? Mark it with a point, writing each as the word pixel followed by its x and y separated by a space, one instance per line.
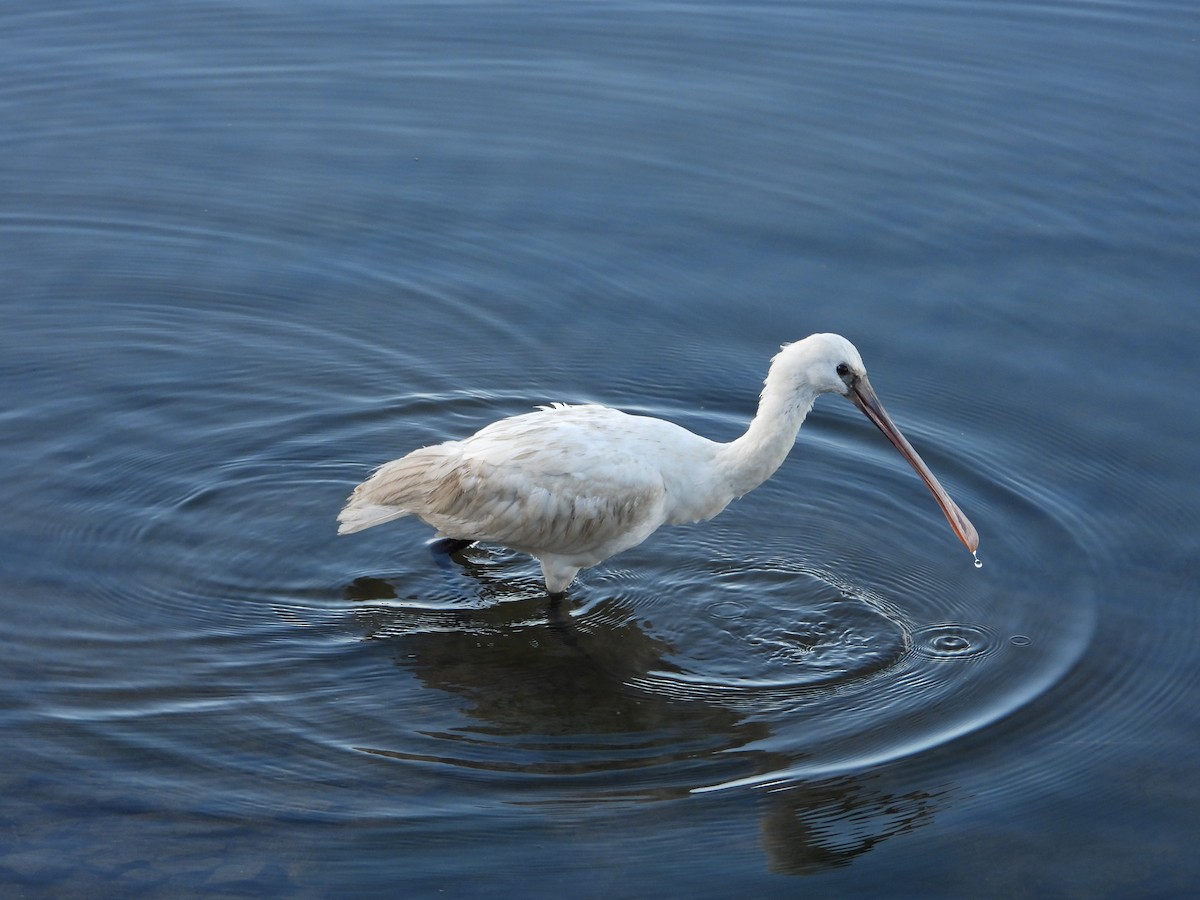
pixel 573 485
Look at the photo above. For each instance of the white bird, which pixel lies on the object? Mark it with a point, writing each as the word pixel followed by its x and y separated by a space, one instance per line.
pixel 573 485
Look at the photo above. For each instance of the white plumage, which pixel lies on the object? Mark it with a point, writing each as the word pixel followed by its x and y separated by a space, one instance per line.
pixel 573 485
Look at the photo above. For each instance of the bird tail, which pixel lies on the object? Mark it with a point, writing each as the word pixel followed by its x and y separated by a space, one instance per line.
pixel 400 488
pixel 359 514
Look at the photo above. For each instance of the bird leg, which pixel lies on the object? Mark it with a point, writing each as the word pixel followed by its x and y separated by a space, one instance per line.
pixel 558 620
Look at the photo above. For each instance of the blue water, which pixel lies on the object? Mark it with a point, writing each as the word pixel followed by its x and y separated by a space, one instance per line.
pixel 250 250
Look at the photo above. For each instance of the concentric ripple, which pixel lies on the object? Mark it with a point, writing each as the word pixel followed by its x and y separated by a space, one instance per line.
pixel 953 641
pixel 790 637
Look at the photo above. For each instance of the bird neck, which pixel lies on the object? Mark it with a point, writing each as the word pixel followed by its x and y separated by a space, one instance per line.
pixel 753 458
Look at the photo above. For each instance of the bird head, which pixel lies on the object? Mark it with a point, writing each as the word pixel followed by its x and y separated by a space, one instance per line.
pixel 820 364
pixel 830 364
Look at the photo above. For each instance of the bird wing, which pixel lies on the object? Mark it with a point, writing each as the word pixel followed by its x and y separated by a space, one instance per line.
pixel 559 480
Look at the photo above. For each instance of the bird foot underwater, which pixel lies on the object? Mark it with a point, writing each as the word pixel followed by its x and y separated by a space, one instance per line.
pixel 442 547
pixel 443 551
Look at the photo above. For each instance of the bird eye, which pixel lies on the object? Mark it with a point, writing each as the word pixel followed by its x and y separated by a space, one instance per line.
pixel 843 370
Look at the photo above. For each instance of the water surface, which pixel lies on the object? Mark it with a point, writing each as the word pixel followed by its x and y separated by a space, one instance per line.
pixel 251 250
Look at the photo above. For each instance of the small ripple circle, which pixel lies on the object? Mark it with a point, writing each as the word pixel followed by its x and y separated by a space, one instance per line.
pixel 952 641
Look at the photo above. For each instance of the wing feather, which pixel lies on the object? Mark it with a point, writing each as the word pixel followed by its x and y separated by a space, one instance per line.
pixel 551 481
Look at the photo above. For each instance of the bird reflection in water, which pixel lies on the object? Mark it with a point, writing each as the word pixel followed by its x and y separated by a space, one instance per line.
pixel 555 690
